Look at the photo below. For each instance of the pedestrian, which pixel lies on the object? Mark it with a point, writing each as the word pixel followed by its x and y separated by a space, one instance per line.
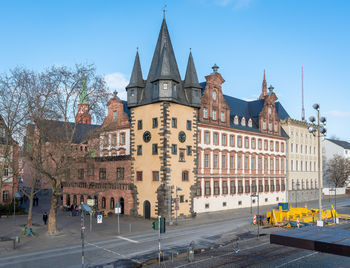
pixel 45 218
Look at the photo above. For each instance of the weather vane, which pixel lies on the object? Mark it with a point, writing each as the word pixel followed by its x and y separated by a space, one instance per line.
pixel 164 10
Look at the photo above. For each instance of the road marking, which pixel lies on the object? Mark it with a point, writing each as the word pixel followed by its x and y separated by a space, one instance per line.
pixel 128 239
pixel 230 253
pixel 113 252
pixel 296 259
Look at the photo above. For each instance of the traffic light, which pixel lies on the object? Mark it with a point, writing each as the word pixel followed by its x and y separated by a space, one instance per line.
pixel 162 225
pixel 155 225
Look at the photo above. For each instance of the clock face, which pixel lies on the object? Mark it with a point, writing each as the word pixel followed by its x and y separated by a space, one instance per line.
pixel 182 136
pixel 147 136
pixel 214 95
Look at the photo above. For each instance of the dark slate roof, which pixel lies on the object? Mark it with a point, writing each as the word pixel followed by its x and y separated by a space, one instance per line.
pixel 56 130
pixel 249 110
pixel 136 79
pixel 191 78
pixel 344 144
pixel 126 109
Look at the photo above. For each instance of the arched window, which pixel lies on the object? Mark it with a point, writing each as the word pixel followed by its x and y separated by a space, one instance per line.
pixel 75 201
pixel 103 202
pixel 235 121
pixel 250 122
pixel 243 121
pixel 112 203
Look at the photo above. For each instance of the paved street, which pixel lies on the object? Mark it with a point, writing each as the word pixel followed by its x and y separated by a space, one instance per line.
pixel 104 246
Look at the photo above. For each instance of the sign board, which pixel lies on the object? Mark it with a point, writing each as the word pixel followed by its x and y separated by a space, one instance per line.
pixel 99 218
pixel 91 202
pixel 174 200
pixel 117 208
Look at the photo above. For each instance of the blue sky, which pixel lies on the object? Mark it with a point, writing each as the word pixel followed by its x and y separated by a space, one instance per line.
pixel 243 37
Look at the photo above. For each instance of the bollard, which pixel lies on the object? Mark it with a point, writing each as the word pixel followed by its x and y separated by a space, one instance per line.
pixel 130 228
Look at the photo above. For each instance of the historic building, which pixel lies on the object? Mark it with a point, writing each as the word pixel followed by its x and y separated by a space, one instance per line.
pixel 302 161
pixel 9 150
pixel 163 135
pixel 241 150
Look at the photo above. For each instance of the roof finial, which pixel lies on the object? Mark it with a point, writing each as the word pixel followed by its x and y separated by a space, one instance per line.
pixel 271 88
pixel 115 93
pixel 137 49
pixel 264 75
pixel 164 10
pixel 215 68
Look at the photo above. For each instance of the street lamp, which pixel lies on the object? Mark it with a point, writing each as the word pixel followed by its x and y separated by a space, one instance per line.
pixel 318 130
pixel 258 218
pixel 177 202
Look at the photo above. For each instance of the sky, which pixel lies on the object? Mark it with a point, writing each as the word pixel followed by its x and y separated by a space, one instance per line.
pixel 243 37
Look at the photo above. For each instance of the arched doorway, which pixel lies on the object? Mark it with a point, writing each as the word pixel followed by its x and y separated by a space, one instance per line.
pixel 121 202
pixel 147 209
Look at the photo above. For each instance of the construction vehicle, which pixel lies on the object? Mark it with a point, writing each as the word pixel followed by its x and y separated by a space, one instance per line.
pixel 287 216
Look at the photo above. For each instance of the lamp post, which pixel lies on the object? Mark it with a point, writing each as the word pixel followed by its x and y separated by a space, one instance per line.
pixel 258 218
pixel 318 132
pixel 177 201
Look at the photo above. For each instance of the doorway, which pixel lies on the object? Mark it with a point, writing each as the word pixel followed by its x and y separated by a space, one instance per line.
pixel 121 202
pixel 147 209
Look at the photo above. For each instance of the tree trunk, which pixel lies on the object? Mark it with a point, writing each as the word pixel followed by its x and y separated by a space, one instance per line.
pixel 30 211
pixel 52 228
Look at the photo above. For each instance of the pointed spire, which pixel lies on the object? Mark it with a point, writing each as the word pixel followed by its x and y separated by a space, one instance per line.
pixel 164 61
pixel 83 95
pixel 191 78
pixel 136 79
pixel 263 88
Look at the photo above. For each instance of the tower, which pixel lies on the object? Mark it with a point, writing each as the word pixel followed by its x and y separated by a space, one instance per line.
pixel 163 132
pixel 83 116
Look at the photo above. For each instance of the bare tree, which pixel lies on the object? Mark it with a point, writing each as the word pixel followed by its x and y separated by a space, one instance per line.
pixel 55 136
pixel 14 114
pixel 338 170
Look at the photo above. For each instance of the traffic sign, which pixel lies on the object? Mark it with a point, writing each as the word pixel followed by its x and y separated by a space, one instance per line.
pixel 117 208
pixel 99 218
pixel 254 219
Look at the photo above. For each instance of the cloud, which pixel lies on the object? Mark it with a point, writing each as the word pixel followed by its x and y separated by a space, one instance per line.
pixel 337 113
pixel 117 81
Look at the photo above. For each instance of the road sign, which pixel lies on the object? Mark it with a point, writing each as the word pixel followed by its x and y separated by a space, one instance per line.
pixel 117 208
pixel 99 218
pixel 174 200
pixel 254 219
pixel 91 202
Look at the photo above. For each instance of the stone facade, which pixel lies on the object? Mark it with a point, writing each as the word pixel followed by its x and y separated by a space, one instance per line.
pixel 302 161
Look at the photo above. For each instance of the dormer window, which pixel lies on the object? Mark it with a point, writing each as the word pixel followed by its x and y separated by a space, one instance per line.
pixel 270 126
pixel 235 121
pixel 222 116
pixel 269 110
pixel 243 123
pixel 250 122
pixel 205 113
pixel 132 93
pixel 165 86
pixel 115 115
pixel 264 125
pixel 275 127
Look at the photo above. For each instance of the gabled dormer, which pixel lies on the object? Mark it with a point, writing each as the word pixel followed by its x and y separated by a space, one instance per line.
pixel 269 121
pixel 117 115
pixel 214 108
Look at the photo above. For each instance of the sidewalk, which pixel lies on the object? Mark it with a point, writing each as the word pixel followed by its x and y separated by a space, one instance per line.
pixel 69 226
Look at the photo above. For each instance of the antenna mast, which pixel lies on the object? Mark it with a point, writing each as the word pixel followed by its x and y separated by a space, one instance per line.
pixel 302 95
